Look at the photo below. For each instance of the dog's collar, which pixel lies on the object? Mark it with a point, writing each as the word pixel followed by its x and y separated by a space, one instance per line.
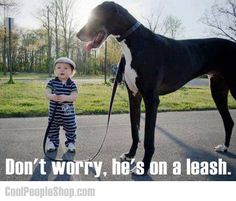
pixel 127 33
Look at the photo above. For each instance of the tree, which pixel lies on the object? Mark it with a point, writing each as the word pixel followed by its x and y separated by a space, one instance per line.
pixel 34 50
pixel 65 17
pixel 221 19
pixel 155 19
pixel 56 18
pixel 44 16
pixel 49 34
pixel 54 12
pixel 8 6
pixel 30 53
pixel 169 26
pixel 173 27
pixel 111 55
pixel 154 22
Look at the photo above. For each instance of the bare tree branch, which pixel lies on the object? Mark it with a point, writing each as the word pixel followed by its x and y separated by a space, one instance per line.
pixel 222 19
pixel 168 26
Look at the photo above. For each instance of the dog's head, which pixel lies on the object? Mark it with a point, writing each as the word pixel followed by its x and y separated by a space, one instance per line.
pixel 107 18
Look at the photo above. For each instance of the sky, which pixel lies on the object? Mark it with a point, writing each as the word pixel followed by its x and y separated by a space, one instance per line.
pixel 188 11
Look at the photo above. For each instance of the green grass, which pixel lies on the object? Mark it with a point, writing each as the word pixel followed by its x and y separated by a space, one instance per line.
pixel 42 76
pixel 29 76
pixel 27 100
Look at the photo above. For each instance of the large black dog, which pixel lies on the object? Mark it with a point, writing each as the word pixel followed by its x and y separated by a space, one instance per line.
pixel 156 65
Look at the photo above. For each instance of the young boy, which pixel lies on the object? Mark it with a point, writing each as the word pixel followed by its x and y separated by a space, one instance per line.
pixel 63 92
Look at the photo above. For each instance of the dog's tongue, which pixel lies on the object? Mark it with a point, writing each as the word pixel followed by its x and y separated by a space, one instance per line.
pixel 96 39
pixel 89 46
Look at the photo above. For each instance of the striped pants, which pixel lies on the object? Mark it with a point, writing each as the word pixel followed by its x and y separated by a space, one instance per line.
pixel 66 120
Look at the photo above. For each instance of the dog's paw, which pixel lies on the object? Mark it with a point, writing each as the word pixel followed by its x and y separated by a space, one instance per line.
pixel 221 148
pixel 125 157
pixel 135 172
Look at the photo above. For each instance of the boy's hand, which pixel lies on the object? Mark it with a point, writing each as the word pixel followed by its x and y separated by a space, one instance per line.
pixel 55 98
pixel 62 98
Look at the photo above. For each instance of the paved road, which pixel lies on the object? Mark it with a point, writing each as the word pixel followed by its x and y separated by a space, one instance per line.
pixel 179 136
pixel 198 82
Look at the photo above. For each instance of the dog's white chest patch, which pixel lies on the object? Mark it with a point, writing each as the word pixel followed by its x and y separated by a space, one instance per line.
pixel 130 74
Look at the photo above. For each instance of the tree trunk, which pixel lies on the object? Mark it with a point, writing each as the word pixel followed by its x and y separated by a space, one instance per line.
pixel 49 45
pixel 105 63
pixel 4 51
pixel 56 32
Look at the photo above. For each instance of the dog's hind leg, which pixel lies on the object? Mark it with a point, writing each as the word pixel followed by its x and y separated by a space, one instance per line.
pixel 219 92
pixel 135 112
pixel 233 90
pixel 151 105
pixel 230 77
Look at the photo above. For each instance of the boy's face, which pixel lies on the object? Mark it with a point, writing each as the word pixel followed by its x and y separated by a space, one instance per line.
pixel 63 71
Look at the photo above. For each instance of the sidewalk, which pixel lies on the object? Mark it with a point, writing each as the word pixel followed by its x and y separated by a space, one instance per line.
pixel 179 136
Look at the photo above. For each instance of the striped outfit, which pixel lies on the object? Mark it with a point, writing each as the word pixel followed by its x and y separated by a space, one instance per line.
pixel 65 114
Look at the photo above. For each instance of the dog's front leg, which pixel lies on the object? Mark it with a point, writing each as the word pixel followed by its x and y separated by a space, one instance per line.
pixel 135 112
pixel 151 104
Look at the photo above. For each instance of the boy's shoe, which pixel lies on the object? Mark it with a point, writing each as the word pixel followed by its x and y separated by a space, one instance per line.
pixel 51 147
pixel 71 147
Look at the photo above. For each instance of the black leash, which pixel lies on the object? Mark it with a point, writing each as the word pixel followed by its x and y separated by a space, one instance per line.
pixel 108 121
pixel 117 80
pixel 46 136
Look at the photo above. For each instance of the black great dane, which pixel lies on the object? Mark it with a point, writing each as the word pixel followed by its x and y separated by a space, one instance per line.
pixel 154 65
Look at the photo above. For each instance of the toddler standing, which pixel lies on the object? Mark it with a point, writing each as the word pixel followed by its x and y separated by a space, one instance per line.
pixel 62 92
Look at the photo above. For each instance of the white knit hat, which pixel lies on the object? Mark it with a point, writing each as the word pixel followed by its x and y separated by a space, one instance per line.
pixel 65 60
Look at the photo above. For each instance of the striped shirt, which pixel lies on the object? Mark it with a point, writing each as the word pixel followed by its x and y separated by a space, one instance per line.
pixel 64 112
pixel 58 88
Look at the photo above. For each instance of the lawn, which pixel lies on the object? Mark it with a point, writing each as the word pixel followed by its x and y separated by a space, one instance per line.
pixel 27 99
pixel 22 76
pixel 41 76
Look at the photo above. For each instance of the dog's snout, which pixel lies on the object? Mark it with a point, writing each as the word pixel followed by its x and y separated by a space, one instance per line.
pixel 83 35
pixel 78 35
